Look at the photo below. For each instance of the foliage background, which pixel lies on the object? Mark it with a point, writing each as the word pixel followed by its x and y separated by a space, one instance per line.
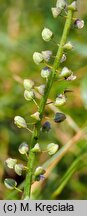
pixel 21 23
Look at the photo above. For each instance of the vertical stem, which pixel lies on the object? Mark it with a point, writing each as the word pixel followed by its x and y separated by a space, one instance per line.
pixel 31 160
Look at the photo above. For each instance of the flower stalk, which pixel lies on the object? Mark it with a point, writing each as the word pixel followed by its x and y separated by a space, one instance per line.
pixel 36 132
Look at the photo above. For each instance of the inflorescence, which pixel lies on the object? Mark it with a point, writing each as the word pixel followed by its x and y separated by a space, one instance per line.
pixel 30 95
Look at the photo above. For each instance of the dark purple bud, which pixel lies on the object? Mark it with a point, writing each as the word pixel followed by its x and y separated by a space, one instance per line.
pixel 46 126
pixel 79 23
pixel 59 117
pixel 41 177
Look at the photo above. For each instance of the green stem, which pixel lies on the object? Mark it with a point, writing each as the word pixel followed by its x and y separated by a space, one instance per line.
pixel 35 136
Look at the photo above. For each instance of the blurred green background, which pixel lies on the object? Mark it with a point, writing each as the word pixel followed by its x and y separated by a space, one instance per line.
pixel 21 23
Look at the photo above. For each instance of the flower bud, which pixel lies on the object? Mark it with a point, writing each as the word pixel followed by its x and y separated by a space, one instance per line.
pixel 23 148
pixel 28 84
pixel 46 126
pixel 56 11
pixel 10 163
pixel 36 148
pixel 20 122
pixel 37 57
pixel 61 4
pixel 46 55
pixel 45 72
pixel 41 178
pixel 40 89
pixel 10 183
pixel 59 117
pixel 47 34
pixel 60 100
pixel 79 23
pixel 71 77
pixel 63 59
pixel 68 46
pixel 65 72
pixel 36 116
pixel 73 6
pixel 39 171
pixel 52 148
pixel 19 169
pixel 29 95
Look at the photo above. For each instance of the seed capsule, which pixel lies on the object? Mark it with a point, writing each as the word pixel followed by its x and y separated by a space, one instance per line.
pixel 37 57
pixel 19 169
pixel 28 84
pixel 10 163
pixel 36 148
pixel 10 183
pixel 29 95
pixel 23 148
pixel 59 117
pixel 47 34
pixel 46 55
pixel 45 72
pixel 52 148
pixel 20 122
pixel 46 126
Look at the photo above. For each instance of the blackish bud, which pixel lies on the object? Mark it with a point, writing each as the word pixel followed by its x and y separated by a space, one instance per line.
pixel 59 117
pixel 46 126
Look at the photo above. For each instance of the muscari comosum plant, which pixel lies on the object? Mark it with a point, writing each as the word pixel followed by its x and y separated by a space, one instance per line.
pixel 49 73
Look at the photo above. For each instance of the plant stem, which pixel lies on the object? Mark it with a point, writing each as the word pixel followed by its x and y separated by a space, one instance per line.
pixel 36 132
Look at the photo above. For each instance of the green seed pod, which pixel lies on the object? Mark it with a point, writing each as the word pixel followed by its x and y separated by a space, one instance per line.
pixel 59 117
pixel 10 163
pixel 10 183
pixel 28 84
pixel 36 116
pixel 37 57
pixel 23 148
pixel 65 72
pixel 60 100
pixel 29 95
pixel 36 148
pixel 47 34
pixel 19 169
pixel 20 122
pixel 39 171
pixel 52 148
